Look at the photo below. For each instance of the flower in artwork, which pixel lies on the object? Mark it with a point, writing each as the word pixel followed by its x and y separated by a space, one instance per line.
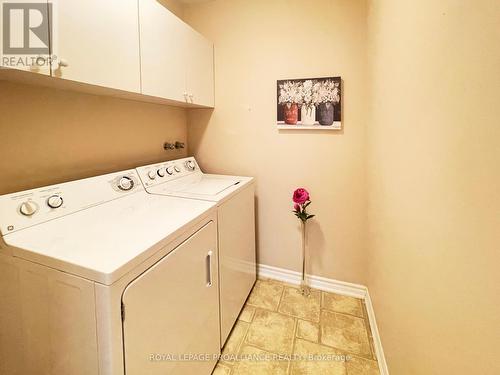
pixel 328 92
pixel 307 93
pixel 290 92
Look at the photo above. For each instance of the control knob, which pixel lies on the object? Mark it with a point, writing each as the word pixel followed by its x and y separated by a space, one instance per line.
pixel 28 208
pixel 55 201
pixel 170 170
pixel 152 175
pixel 190 165
pixel 161 172
pixel 177 169
pixel 125 183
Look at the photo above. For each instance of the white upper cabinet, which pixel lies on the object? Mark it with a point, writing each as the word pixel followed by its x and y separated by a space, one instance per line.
pixel 135 49
pixel 200 69
pixel 176 61
pixel 162 37
pixel 97 42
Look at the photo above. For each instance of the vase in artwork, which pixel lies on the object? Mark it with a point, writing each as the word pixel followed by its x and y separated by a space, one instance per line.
pixel 325 115
pixel 291 113
pixel 308 114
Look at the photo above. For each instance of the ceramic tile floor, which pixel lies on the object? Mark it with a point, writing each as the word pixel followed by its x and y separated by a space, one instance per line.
pixel 279 331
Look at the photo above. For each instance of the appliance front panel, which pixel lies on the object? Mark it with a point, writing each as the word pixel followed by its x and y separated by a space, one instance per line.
pixel 171 311
pixel 236 222
pixel 47 321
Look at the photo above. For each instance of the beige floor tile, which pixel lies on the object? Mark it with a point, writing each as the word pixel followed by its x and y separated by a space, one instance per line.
pixel 331 362
pixel 220 369
pixel 342 304
pixel 234 341
pixel 307 330
pixel 277 319
pixel 304 307
pixel 344 332
pixel 247 313
pixel 365 312
pixel 372 347
pixel 272 332
pixel 266 294
pixel 361 366
pixel 261 363
pixel 368 330
pixel 370 339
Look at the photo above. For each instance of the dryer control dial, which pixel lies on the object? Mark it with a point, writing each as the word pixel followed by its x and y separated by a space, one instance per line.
pixel 28 208
pixel 152 175
pixel 125 183
pixel 55 201
pixel 161 172
pixel 170 170
pixel 190 165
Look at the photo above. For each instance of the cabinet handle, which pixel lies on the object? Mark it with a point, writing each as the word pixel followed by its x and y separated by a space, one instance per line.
pixel 63 63
pixel 208 261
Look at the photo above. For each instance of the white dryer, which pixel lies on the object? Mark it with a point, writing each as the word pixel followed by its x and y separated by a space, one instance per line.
pixel 234 196
pixel 99 277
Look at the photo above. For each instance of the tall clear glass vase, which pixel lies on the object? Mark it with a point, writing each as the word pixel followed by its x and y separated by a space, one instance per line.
pixel 304 287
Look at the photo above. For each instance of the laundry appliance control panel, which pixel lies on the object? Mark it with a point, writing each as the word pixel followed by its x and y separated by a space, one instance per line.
pixel 31 207
pixel 159 173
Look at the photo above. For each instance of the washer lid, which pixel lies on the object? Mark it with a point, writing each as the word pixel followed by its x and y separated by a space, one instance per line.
pixel 104 242
pixel 210 187
pixel 201 184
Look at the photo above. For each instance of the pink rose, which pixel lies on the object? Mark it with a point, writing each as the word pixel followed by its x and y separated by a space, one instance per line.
pixel 296 206
pixel 300 196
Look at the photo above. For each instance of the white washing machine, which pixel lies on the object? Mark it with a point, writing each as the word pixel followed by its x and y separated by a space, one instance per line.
pixel 235 201
pixel 99 277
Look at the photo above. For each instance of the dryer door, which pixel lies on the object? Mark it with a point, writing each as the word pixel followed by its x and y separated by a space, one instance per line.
pixel 171 310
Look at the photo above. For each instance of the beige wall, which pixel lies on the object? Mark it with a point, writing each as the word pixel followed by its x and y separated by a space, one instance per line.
pixel 49 136
pixel 434 182
pixel 258 42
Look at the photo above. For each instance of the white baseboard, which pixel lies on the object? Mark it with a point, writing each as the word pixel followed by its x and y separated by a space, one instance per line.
pixel 334 286
pixel 379 351
pixel 316 282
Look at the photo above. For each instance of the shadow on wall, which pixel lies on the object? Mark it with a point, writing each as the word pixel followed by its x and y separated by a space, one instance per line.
pixel 315 245
pixel 257 230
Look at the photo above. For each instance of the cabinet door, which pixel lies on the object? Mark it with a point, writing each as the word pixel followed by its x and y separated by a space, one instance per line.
pixel 97 42
pixel 163 51
pixel 200 69
pixel 25 36
pixel 172 310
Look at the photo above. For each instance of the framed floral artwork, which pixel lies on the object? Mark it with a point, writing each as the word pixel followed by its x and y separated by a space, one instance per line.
pixel 309 103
